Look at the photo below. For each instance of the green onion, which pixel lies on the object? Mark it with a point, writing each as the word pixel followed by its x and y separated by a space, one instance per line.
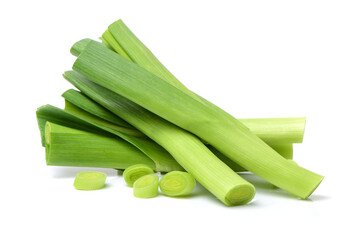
pixel 187 149
pixel 147 186
pixel 89 180
pixel 177 183
pixel 134 172
pixel 125 78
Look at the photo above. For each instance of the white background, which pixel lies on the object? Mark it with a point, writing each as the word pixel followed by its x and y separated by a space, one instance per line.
pixel 252 58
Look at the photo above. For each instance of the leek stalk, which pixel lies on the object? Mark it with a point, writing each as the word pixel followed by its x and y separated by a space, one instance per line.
pixel 274 131
pixel 123 154
pixel 80 101
pixel 72 147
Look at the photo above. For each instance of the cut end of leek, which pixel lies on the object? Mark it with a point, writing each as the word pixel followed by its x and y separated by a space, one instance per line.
pixel 315 187
pixel 240 195
pixel 134 172
pixel 79 46
pixel 147 186
pixel 89 180
pixel 177 183
pixel 303 129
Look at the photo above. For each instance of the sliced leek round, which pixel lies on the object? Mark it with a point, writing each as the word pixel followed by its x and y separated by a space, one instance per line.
pixel 147 186
pixel 134 172
pixel 177 183
pixel 89 180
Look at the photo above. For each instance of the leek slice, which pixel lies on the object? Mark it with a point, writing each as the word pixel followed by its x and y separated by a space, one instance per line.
pixel 89 180
pixel 147 186
pixel 134 172
pixel 177 183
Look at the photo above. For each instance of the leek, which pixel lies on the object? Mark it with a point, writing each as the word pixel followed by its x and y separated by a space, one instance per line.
pixel 78 119
pixel 187 149
pixel 96 149
pixel 136 171
pixel 89 180
pixel 177 184
pixel 272 131
pixel 94 111
pixel 110 70
pixel 138 53
pixel 164 162
pixel 71 147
